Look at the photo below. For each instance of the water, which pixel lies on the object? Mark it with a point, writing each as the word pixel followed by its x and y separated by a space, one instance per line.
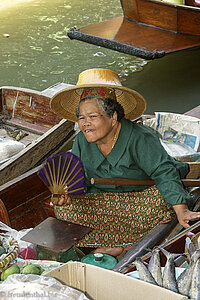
pixel 36 53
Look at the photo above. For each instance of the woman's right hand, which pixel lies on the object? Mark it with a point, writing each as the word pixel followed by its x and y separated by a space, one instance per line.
pixel 64 200
pixel 184 215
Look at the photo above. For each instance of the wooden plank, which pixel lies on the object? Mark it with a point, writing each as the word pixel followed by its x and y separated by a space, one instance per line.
pixel 145 182
pixel 26 197
pixel 27 126
pixel 157 13
pixel 22 189
pixel 166 15
pixel 33 217
pixel 28 106
pixel 188 21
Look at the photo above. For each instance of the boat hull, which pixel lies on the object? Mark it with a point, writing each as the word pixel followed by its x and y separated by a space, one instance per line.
pixel 28 111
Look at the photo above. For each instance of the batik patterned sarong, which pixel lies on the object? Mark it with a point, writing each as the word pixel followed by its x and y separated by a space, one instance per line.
pixel 117 219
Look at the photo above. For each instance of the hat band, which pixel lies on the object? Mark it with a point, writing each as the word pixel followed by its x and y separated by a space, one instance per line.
pixel 98 92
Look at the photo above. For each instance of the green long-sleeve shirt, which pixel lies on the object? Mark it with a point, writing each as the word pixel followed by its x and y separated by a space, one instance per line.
pixel 137 154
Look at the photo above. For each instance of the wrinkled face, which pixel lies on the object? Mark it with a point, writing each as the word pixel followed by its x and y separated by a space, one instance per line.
pixel 94 123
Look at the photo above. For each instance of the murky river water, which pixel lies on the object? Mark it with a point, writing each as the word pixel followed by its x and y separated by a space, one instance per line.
pixel 36 53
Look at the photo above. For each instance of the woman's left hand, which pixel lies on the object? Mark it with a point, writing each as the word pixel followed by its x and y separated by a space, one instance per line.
pixel 185 215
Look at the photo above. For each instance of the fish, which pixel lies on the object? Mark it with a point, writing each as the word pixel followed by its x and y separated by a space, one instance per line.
pixel 143 272
pixel 195 286
pixel 190 246
pixel 184 280
pixel 154 266
pixel 198 242
pixel 169 275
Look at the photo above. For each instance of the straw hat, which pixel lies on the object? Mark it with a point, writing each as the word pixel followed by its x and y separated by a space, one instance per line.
pixel 65 102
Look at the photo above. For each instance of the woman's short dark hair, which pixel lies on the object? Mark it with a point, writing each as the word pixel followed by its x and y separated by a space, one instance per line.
pixel 108 106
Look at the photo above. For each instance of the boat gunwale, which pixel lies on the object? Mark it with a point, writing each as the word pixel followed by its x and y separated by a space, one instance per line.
pixel 162 29
pixel 26 90
pixel 137 13
pixel 164 3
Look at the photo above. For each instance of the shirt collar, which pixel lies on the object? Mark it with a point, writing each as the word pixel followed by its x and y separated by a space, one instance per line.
pixel 121 144
pixel 114 156
pixel 96 153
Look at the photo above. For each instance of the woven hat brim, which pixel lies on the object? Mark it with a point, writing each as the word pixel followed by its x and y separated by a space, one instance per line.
pixel 65 102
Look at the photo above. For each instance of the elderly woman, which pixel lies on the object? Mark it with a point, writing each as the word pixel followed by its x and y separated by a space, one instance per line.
pixel 109 146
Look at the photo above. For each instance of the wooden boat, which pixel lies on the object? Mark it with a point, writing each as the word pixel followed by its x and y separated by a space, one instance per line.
pixel 148 28
pixel 28 111
pixel 152 29
pixel 25 203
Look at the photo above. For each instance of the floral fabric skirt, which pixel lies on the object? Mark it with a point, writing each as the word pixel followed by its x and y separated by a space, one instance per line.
pixel 117 219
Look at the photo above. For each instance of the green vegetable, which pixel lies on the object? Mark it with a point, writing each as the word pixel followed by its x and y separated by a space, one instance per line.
pixel 31 269
pixel 14 269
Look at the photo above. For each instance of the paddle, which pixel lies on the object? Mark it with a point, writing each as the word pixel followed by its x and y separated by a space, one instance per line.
pixel 145 182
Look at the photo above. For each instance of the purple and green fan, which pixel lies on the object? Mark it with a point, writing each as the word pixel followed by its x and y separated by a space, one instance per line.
pixel 63 173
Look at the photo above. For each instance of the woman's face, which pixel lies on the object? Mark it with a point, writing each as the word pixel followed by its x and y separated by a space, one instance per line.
pixel 94 123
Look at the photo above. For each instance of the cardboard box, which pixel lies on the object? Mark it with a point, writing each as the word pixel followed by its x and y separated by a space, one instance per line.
pixel 101 284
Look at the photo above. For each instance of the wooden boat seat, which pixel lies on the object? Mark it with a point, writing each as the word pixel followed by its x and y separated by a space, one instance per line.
pixel 194 170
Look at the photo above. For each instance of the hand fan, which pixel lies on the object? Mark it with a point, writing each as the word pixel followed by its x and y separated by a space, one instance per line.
pixel 63 174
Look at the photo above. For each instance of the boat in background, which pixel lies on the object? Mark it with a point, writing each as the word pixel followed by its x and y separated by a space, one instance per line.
pixel 152 29
pixel 28 111
pixel 148 29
